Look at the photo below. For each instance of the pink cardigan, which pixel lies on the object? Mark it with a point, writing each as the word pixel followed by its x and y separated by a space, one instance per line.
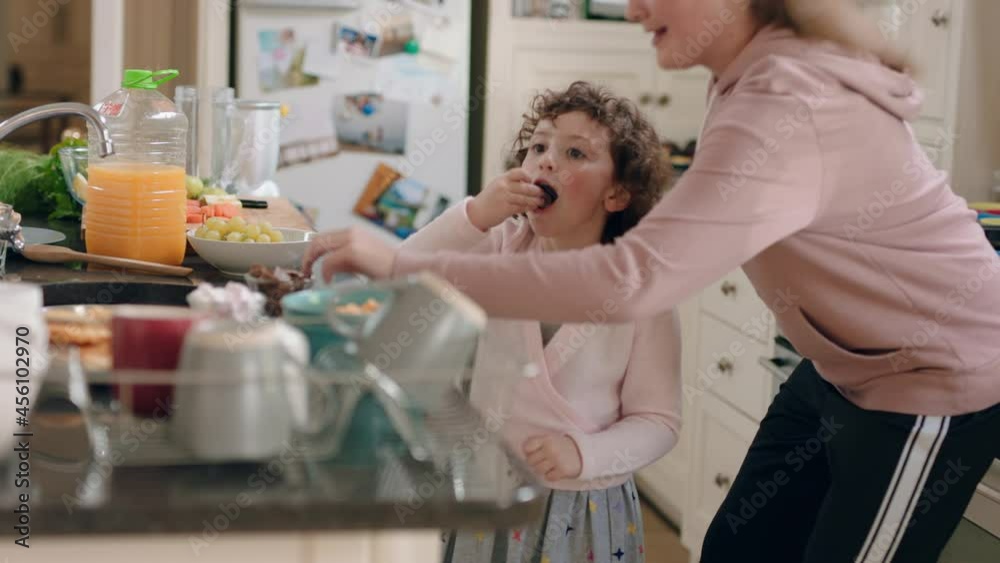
pixel 615 389
pixel 809 176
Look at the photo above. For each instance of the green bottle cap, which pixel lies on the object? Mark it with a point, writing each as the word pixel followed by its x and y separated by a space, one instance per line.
pixel 412 47
pixel 147 79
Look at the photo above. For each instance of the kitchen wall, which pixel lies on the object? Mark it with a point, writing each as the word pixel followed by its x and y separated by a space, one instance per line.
pixel 162 34
pixel 53 49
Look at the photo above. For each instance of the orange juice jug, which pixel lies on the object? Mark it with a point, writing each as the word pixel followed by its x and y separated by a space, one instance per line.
pixel 136 197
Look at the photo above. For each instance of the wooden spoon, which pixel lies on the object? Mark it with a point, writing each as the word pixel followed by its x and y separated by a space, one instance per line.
pixel 58 255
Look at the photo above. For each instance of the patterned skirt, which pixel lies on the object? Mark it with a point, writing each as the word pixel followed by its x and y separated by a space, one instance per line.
pixel 600 526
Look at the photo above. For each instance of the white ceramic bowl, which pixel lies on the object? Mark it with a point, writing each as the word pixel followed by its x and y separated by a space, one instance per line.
pixel 236 258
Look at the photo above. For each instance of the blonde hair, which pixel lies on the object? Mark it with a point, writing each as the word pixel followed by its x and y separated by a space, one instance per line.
pixel 840 21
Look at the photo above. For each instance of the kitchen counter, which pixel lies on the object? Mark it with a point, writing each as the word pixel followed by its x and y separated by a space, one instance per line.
pixel 475 483
pixel 20 269
pixel 475 486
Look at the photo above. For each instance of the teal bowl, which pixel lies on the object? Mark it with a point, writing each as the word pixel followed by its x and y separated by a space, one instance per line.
pixel 306 311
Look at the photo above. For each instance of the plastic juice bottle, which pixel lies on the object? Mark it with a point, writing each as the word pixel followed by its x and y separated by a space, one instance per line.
pixel 136 197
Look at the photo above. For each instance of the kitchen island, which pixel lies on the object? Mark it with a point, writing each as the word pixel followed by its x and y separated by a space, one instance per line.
pixel 378 506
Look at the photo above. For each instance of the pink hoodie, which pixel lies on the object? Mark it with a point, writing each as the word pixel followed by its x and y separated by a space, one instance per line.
pixel 809 176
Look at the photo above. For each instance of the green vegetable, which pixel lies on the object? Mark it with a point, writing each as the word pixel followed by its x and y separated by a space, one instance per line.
pixel 34 185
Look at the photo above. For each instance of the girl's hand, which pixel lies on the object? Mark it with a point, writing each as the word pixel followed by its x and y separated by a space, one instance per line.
pixel 506 196
pixel 554 457
pixel 351 250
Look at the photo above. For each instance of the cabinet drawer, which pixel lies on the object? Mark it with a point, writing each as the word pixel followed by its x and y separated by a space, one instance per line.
pixel 723 439
pixel 728 366
pixel 734 300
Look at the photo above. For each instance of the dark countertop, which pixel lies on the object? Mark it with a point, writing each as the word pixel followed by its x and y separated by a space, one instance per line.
pixel 379 488
pixel 22 270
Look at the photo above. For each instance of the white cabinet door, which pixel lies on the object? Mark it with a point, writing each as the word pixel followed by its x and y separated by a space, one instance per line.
pixel 679 103
pixel 927 32
pixel 626 73
pixel 722 438
pixel 729 367
pixel 733 300
pixel 665 482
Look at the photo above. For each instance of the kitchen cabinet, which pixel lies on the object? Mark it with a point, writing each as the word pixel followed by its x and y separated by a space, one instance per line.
pixel 723 439
pixel 954 45
pixel 665 482
pixel 729 396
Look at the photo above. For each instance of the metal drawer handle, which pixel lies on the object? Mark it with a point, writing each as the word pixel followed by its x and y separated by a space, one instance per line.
pixel 728 288
pixel 722 481
pixel 645 99
pixel 940 18
pixel 664 100
pixel 725 366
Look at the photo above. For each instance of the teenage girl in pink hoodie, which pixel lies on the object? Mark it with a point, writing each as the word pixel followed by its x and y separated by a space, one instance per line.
pixel 808 176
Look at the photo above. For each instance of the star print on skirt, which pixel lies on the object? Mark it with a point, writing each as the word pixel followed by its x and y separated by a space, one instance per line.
pixel 601 526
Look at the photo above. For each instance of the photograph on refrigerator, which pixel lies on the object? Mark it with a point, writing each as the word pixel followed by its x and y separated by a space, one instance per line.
pixel 370 122
pixel 280 61
pixel 399 204
pixel 355 42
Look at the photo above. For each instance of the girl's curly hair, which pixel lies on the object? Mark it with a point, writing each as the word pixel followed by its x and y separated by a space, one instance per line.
pixel 640 164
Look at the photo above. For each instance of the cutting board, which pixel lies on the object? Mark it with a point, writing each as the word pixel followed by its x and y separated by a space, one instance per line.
pixel 279 213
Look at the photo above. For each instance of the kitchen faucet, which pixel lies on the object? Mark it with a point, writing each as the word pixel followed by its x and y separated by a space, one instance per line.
pixel 10 227
pixel 94 119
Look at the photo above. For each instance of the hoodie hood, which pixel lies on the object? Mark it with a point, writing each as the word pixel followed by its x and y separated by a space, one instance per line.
pixel 895 92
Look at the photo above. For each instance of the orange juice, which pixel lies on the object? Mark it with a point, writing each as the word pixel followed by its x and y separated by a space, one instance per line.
pixel 136 210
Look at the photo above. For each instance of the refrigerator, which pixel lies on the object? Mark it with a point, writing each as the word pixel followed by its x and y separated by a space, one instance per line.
pixel 370 89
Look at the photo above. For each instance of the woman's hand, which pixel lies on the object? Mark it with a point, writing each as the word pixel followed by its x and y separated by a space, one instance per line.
pixel 351 250
pixel 506 196
pixel 554 457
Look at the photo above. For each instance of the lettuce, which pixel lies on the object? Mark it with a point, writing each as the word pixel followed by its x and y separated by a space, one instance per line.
pixel 33 183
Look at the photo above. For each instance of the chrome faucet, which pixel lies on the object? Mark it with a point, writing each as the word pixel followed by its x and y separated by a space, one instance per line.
pixel 10 222
pixel 94 119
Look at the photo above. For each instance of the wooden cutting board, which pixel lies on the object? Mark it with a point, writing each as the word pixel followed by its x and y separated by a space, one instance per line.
pixel 279 213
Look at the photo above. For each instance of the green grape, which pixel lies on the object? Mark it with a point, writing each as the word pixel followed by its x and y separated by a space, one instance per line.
pixel 238 224
pixel 266 228
pixel 253 231
pixel 235 237
pixel 215 224
pixel 276 236
pixel 213 235
pixel 264 238
pixel 200 233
